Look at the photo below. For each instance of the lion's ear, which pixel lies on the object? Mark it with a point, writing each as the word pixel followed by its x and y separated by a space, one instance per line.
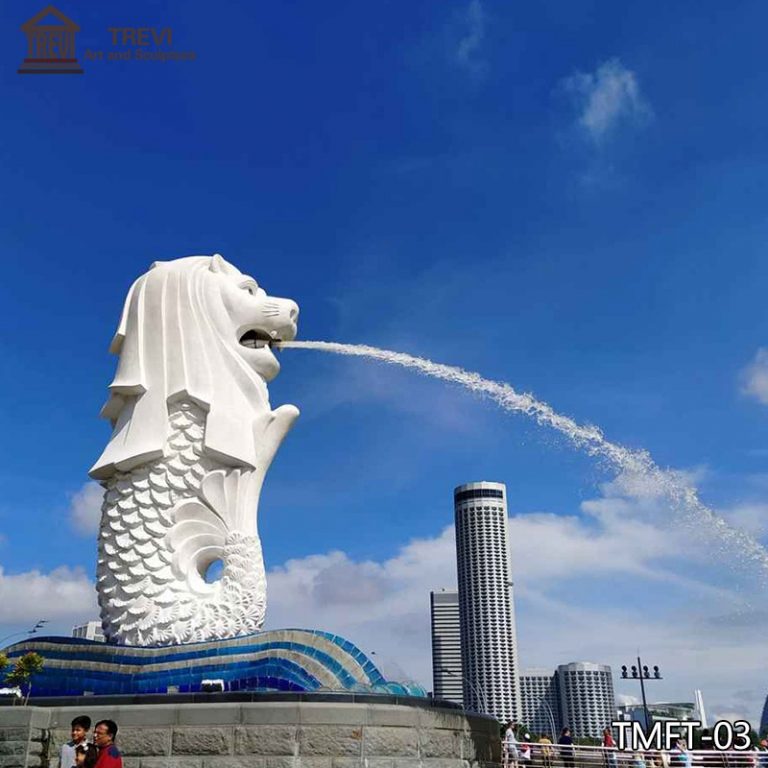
pixel 221 266
pixel 218 264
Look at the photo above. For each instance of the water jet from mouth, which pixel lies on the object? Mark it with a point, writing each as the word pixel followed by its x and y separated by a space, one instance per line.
pixel 743 552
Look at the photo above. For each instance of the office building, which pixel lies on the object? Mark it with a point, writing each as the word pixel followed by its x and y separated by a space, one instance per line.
pixel 91 630
pixel 447 674
pixel 486 606
pixel 658 712
pixel 587 701
pixel 540 702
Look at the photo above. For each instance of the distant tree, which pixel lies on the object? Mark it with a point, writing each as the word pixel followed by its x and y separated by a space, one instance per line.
pixel 24 669
pixel 3 663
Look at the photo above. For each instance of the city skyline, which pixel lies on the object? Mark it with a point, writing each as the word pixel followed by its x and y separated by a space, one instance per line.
pixel 561 196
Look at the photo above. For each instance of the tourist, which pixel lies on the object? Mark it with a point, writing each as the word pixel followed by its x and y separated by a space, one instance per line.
pixel 86 756
pixel 79 733
pixel 510 751
pixel 545 751
pixel 762 758
pixel 609 747
pixel 104 733
pixel 565 743
pixel 680 757
pixel 525 748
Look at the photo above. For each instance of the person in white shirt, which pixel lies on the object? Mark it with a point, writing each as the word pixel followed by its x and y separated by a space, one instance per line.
pixel 511 752
pixel 80 727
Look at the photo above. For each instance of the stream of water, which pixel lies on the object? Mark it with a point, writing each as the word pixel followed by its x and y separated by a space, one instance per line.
pixel 740 549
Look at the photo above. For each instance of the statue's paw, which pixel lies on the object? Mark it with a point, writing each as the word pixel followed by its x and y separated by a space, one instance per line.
pixel 285 415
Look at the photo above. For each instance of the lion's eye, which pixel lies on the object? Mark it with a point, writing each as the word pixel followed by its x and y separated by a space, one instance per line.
pixel 250 287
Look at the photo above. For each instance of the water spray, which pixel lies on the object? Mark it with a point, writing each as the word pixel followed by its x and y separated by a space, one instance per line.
pixel 689 509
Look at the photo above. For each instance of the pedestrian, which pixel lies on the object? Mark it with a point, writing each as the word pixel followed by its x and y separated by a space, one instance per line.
pixel 79 733
pixel 545 750
pixel 511 754
pixel 762 758
pixel 609 748
pixel 565 743
pixel 680 757
pixel 104 733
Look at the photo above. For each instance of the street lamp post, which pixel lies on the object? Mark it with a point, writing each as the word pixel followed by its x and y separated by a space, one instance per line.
pixel 32 631
pixel 478 691
pixel 640 671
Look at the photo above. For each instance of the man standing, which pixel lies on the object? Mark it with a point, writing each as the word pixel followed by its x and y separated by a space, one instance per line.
pixel 80 727
pixel 104 733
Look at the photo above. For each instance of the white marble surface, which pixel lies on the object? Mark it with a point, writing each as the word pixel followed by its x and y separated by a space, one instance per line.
pixel 193 437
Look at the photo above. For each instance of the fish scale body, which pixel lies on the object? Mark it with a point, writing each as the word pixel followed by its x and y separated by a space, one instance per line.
pixel 151 590
pixel 190 388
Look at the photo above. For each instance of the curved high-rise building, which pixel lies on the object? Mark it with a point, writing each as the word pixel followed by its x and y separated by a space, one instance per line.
pixel 587 702
pixel 486 605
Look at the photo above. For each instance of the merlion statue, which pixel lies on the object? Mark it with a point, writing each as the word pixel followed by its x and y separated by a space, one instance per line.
pixel 193 436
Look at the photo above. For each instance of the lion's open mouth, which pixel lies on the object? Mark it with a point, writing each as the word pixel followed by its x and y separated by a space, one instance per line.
pixel 254 339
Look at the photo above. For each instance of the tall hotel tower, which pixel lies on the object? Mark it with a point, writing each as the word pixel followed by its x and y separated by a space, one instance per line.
pixel 486 607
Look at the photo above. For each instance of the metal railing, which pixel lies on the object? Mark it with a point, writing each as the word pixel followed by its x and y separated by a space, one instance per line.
pixel 536 755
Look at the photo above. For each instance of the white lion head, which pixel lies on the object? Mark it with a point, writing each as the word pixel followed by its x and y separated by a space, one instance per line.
pixel 195 328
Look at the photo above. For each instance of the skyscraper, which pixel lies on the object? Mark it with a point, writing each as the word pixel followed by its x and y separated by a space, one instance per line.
pixel 587 702
pixel 486 607
pixel 540 702
pixel 447 674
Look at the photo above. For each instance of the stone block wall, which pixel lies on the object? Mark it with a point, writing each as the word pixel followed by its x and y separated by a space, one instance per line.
pixel 283 735
pixel 24 738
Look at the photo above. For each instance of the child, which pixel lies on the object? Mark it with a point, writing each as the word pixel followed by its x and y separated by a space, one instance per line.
pixel 85 756
pixel 80 727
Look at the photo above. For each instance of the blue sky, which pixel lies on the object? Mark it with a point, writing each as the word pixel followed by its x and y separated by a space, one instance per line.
pixel 568 196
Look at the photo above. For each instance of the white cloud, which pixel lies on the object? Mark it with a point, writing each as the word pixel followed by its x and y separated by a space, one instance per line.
pixel 380 606
pixel 751 517
pixel 594 586
pixel 85 509
pixel 755 377
pixel 468 48
pixel 590 586
pixel 605 98
pixel 64 596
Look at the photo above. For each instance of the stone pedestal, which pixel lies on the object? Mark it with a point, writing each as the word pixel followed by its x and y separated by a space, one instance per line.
pixel 25 737
pixel 278 732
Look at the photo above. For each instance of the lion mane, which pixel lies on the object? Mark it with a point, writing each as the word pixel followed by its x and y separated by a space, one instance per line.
pixel 193 436
pixel 174 344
